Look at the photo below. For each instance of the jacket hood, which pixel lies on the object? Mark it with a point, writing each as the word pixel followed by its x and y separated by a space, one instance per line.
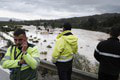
pixel 61 34
pixel 71 39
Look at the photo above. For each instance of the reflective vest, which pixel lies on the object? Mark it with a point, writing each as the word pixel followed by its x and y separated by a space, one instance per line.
pixel 14 55
pixel 32 58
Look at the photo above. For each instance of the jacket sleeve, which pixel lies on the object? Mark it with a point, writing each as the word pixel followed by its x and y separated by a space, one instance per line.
pixel 59 47
pixel 75 45
pixel 96 54
pixel 32 58
pixel 6 62
pixel 75 50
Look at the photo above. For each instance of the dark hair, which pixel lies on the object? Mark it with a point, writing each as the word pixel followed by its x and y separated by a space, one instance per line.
pixel 18 32
pixel 67 26
pixel 115 31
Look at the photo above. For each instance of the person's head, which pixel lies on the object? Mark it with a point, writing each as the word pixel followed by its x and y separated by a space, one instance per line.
pixel 67 26
pixel 19 37
pixel 115 32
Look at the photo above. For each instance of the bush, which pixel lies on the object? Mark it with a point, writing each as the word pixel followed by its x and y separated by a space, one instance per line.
pixel 44 52
pixel 9 43
pixel 45 41
pixel 82 63
pixel 49 46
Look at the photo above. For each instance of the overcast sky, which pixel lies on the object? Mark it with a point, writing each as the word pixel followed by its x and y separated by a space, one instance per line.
pixel 55 9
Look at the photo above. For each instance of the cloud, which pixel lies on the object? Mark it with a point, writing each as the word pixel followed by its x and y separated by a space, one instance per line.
pixel 109 9
pixel 51 9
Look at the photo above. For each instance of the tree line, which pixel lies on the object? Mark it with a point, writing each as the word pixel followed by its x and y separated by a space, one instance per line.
pixel 101 22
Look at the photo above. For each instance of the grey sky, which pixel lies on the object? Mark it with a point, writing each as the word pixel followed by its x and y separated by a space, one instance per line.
pixel 54 9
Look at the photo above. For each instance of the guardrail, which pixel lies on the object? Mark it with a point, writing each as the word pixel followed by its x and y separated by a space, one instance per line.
pixel 77 74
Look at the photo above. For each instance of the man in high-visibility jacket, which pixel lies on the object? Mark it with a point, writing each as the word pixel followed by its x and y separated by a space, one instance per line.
pixel 22 58
pixel 62 56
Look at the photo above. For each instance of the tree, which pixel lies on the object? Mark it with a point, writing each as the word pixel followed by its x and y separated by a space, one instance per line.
pixel 53 25
pixel 45 25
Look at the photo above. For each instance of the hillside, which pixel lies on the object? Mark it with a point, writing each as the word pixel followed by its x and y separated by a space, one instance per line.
pixel 8 19
pixel 101 22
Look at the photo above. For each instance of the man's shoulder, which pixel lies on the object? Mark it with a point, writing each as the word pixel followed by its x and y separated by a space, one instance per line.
pixel 103 41
pixel 32 47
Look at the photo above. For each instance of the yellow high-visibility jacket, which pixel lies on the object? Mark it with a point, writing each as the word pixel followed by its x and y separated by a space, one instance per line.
pixel 32 58
pixel 65 47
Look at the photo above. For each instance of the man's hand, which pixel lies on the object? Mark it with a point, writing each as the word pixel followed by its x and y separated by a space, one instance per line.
pixel 24 45
pixel 22 61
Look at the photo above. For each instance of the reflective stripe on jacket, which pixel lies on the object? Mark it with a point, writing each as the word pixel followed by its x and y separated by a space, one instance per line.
pixel 107 53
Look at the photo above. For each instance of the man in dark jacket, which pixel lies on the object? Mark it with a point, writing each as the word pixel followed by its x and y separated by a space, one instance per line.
pixel 107 53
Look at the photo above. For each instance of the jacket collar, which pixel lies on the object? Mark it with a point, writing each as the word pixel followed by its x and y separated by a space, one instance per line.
pixel 113 38
pixel 61 34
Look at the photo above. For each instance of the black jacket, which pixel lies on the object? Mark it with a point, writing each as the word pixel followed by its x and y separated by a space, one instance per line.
pixel 108 54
